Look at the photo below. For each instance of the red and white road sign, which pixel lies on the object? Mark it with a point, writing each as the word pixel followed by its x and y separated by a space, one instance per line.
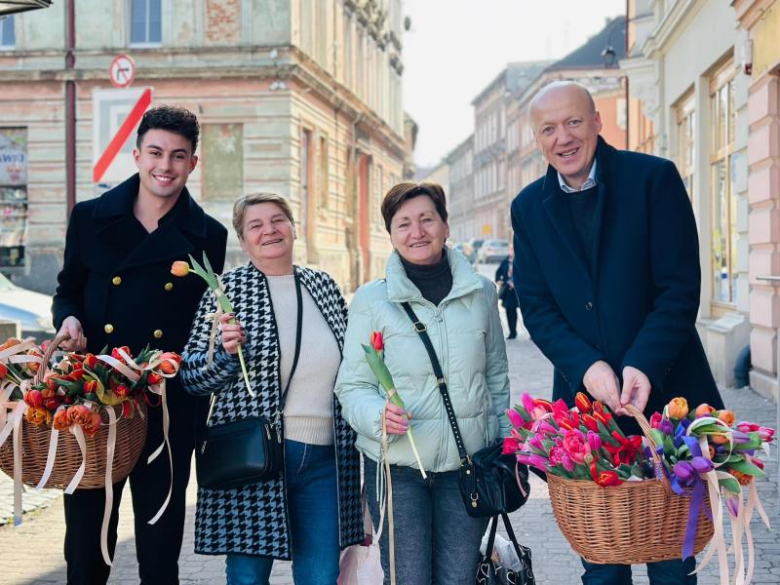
pixel 116 114
pixel 122 70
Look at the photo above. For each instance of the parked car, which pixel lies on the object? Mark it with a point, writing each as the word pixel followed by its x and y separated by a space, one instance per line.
pixel 493 251
pixel 31 309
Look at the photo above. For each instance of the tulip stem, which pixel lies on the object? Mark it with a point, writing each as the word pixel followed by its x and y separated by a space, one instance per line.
pixel 243 370
pixel 414 449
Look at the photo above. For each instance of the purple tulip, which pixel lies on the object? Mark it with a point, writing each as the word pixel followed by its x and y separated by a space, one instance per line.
pixel 701 464
pixel 739 437
pixel 666 427
pixel 684 471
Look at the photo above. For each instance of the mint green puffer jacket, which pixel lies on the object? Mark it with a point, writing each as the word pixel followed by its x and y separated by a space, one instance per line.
pixel 466 333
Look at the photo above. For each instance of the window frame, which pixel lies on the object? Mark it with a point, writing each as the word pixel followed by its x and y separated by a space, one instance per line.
pixel 5 46
pixel 147 43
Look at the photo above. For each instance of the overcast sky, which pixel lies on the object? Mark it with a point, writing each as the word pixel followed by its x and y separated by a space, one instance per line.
pixel 456 47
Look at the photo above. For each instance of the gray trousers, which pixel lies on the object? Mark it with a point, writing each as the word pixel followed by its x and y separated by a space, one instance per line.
pixel 436 542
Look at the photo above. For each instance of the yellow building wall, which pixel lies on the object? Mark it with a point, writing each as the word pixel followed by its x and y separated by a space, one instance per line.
pixel 766 48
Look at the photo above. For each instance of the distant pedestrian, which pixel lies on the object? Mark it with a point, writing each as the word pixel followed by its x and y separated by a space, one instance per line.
pixel 115 288
pixel 313 509
pixel 607 248
pixel 436 541
pixel 506 291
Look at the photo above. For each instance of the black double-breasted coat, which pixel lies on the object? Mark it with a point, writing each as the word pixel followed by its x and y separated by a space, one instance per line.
pixel 638 306
pixel 116 280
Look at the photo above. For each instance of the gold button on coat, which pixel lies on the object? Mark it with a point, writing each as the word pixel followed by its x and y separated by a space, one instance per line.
pixel 157 333
pixel 108 328
pixel 168 285
pixel 117 280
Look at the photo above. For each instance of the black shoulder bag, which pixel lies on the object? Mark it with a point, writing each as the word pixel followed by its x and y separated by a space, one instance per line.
pixel 239 453
pixel 490 483
pixel 488 573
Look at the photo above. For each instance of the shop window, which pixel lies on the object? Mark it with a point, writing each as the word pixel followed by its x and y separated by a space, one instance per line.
pixel 13 196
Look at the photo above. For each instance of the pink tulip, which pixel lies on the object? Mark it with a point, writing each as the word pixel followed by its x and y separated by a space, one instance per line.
pixel 511 445
pixel 594 441
pixel 515 418
pixel 576 446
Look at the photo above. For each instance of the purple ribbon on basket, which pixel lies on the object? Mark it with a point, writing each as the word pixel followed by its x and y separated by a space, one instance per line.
pixel 686 480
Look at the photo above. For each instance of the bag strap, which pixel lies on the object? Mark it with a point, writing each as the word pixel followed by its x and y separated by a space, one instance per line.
pixel 491 538
pixel 298 337
pixel 440 381
pixel 511 533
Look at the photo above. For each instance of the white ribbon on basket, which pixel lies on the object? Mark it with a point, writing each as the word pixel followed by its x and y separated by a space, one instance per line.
pixel 109 484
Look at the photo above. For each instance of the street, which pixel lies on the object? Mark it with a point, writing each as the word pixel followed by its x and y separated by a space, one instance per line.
pixel 33 551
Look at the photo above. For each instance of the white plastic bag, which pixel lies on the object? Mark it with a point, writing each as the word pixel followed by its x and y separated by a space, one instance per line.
pixel 504 554
pixel 360 565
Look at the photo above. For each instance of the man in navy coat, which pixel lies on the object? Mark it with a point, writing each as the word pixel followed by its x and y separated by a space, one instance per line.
pixel 608 277
pixel 116 289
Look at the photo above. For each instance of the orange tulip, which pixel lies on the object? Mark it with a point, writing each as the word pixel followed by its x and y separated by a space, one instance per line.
pixel 727 416
pixel 37 416
pixel 91 361
pixel 10 342
pixel 704 410
pixel 90 387
pixel 678 408
pixel 153 378
pixel 61 420
pixel 92 424
pixel 180 268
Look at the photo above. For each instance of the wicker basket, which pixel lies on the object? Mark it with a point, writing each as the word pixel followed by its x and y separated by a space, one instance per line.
pixel 633 523
pixel 130 439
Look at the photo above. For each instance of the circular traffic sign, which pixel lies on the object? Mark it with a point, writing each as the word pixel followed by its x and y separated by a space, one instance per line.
pixel 122 70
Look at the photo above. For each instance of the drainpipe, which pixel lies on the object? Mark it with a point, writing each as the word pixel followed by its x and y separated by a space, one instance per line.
pixel 70 106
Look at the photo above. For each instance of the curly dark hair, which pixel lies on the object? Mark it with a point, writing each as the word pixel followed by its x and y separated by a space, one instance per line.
pixel 172 119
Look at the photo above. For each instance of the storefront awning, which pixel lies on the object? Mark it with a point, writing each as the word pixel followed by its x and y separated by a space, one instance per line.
pixel 11 6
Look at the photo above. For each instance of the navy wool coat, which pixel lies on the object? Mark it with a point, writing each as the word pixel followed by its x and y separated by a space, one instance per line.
pixel 253 520
pixel 639 307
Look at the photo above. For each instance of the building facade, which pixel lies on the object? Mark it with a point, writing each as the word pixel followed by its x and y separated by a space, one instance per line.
pixel 461 194
pixel 759 63
pixel 684 69
pixel 299 97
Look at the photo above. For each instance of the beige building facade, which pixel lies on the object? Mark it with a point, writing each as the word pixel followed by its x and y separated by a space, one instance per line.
pixel 299 97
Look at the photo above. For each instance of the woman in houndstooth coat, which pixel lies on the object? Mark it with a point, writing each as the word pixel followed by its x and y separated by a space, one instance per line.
pixel 312 510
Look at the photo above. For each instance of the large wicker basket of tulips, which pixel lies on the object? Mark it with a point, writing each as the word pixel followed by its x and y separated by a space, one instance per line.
pixel 79 421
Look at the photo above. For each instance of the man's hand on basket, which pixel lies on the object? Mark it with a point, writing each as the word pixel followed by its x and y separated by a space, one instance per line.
pixel 397 419
pixel 232 335
pixel 72 326
pixel 601 382
pixel 636 389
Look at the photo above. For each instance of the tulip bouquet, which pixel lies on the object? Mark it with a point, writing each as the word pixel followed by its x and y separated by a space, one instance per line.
pixel 705 449
pixel 181 268
pixel 583 443
pixel 374 357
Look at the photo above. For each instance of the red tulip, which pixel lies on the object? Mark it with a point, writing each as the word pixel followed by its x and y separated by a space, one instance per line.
pixel 115 353
pixel 3 371
pixel 583 403
pixel 377 341
pixel 590 423
pixel 34 398
pixel 153 378
pixel 90 387
pixel 121 390
pixel 91 361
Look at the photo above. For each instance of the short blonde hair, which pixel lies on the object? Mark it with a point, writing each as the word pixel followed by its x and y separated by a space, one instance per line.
pixel 242 203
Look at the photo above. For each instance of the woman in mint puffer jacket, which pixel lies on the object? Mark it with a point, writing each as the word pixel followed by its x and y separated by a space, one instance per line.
pixel 435 540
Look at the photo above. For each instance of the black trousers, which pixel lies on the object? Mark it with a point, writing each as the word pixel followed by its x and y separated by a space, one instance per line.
pixel 158 546
pixel 511 319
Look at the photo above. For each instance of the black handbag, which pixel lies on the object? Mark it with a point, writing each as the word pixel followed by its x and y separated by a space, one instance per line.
pixel 488 573
pixel 247 451
pixel 490 483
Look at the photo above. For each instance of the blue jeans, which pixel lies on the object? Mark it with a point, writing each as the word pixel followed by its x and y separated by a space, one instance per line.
pixel 436 542
pixel 312 499
pixel 674 572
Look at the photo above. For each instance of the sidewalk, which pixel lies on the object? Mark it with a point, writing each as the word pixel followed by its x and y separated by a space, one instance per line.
pixel 32 552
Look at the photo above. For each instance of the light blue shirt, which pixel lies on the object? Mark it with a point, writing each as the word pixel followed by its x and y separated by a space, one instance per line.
pixel 590 182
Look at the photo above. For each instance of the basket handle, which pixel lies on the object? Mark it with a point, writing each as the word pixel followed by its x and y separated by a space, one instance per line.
pixel 646 428
pixel 39 375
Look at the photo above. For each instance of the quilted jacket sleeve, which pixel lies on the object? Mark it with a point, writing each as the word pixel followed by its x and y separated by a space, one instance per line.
pixel 196 376
pixel 497 370
pixel 362 401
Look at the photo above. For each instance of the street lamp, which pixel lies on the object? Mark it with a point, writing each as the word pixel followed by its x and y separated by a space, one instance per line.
pixel 11 6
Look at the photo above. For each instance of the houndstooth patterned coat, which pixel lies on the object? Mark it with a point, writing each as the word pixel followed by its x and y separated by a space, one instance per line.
pixel 253 520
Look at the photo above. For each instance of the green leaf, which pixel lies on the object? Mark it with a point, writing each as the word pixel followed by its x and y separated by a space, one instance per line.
pixel 730 485
pixel 207 264
pixel 747 468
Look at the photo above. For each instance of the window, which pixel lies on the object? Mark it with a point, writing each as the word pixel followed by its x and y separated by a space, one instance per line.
pixel 306 202
pixel 145 22
pixel 724 203
pixel 324 173
pixel 223 161
pixel 380 178
pixel 7 35
pixel 13 196
pixel 686 141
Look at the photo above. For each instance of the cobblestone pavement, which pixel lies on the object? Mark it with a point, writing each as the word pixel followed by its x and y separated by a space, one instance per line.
pixel 32 552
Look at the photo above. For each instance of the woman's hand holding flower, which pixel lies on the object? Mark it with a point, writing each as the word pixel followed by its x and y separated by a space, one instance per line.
pixel 397 419
pixel 232 334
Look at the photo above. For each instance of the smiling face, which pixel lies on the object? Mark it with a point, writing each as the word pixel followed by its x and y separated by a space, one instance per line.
pixel 566 126
pixel 268 235
pixel 165 161
pixel 418 232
